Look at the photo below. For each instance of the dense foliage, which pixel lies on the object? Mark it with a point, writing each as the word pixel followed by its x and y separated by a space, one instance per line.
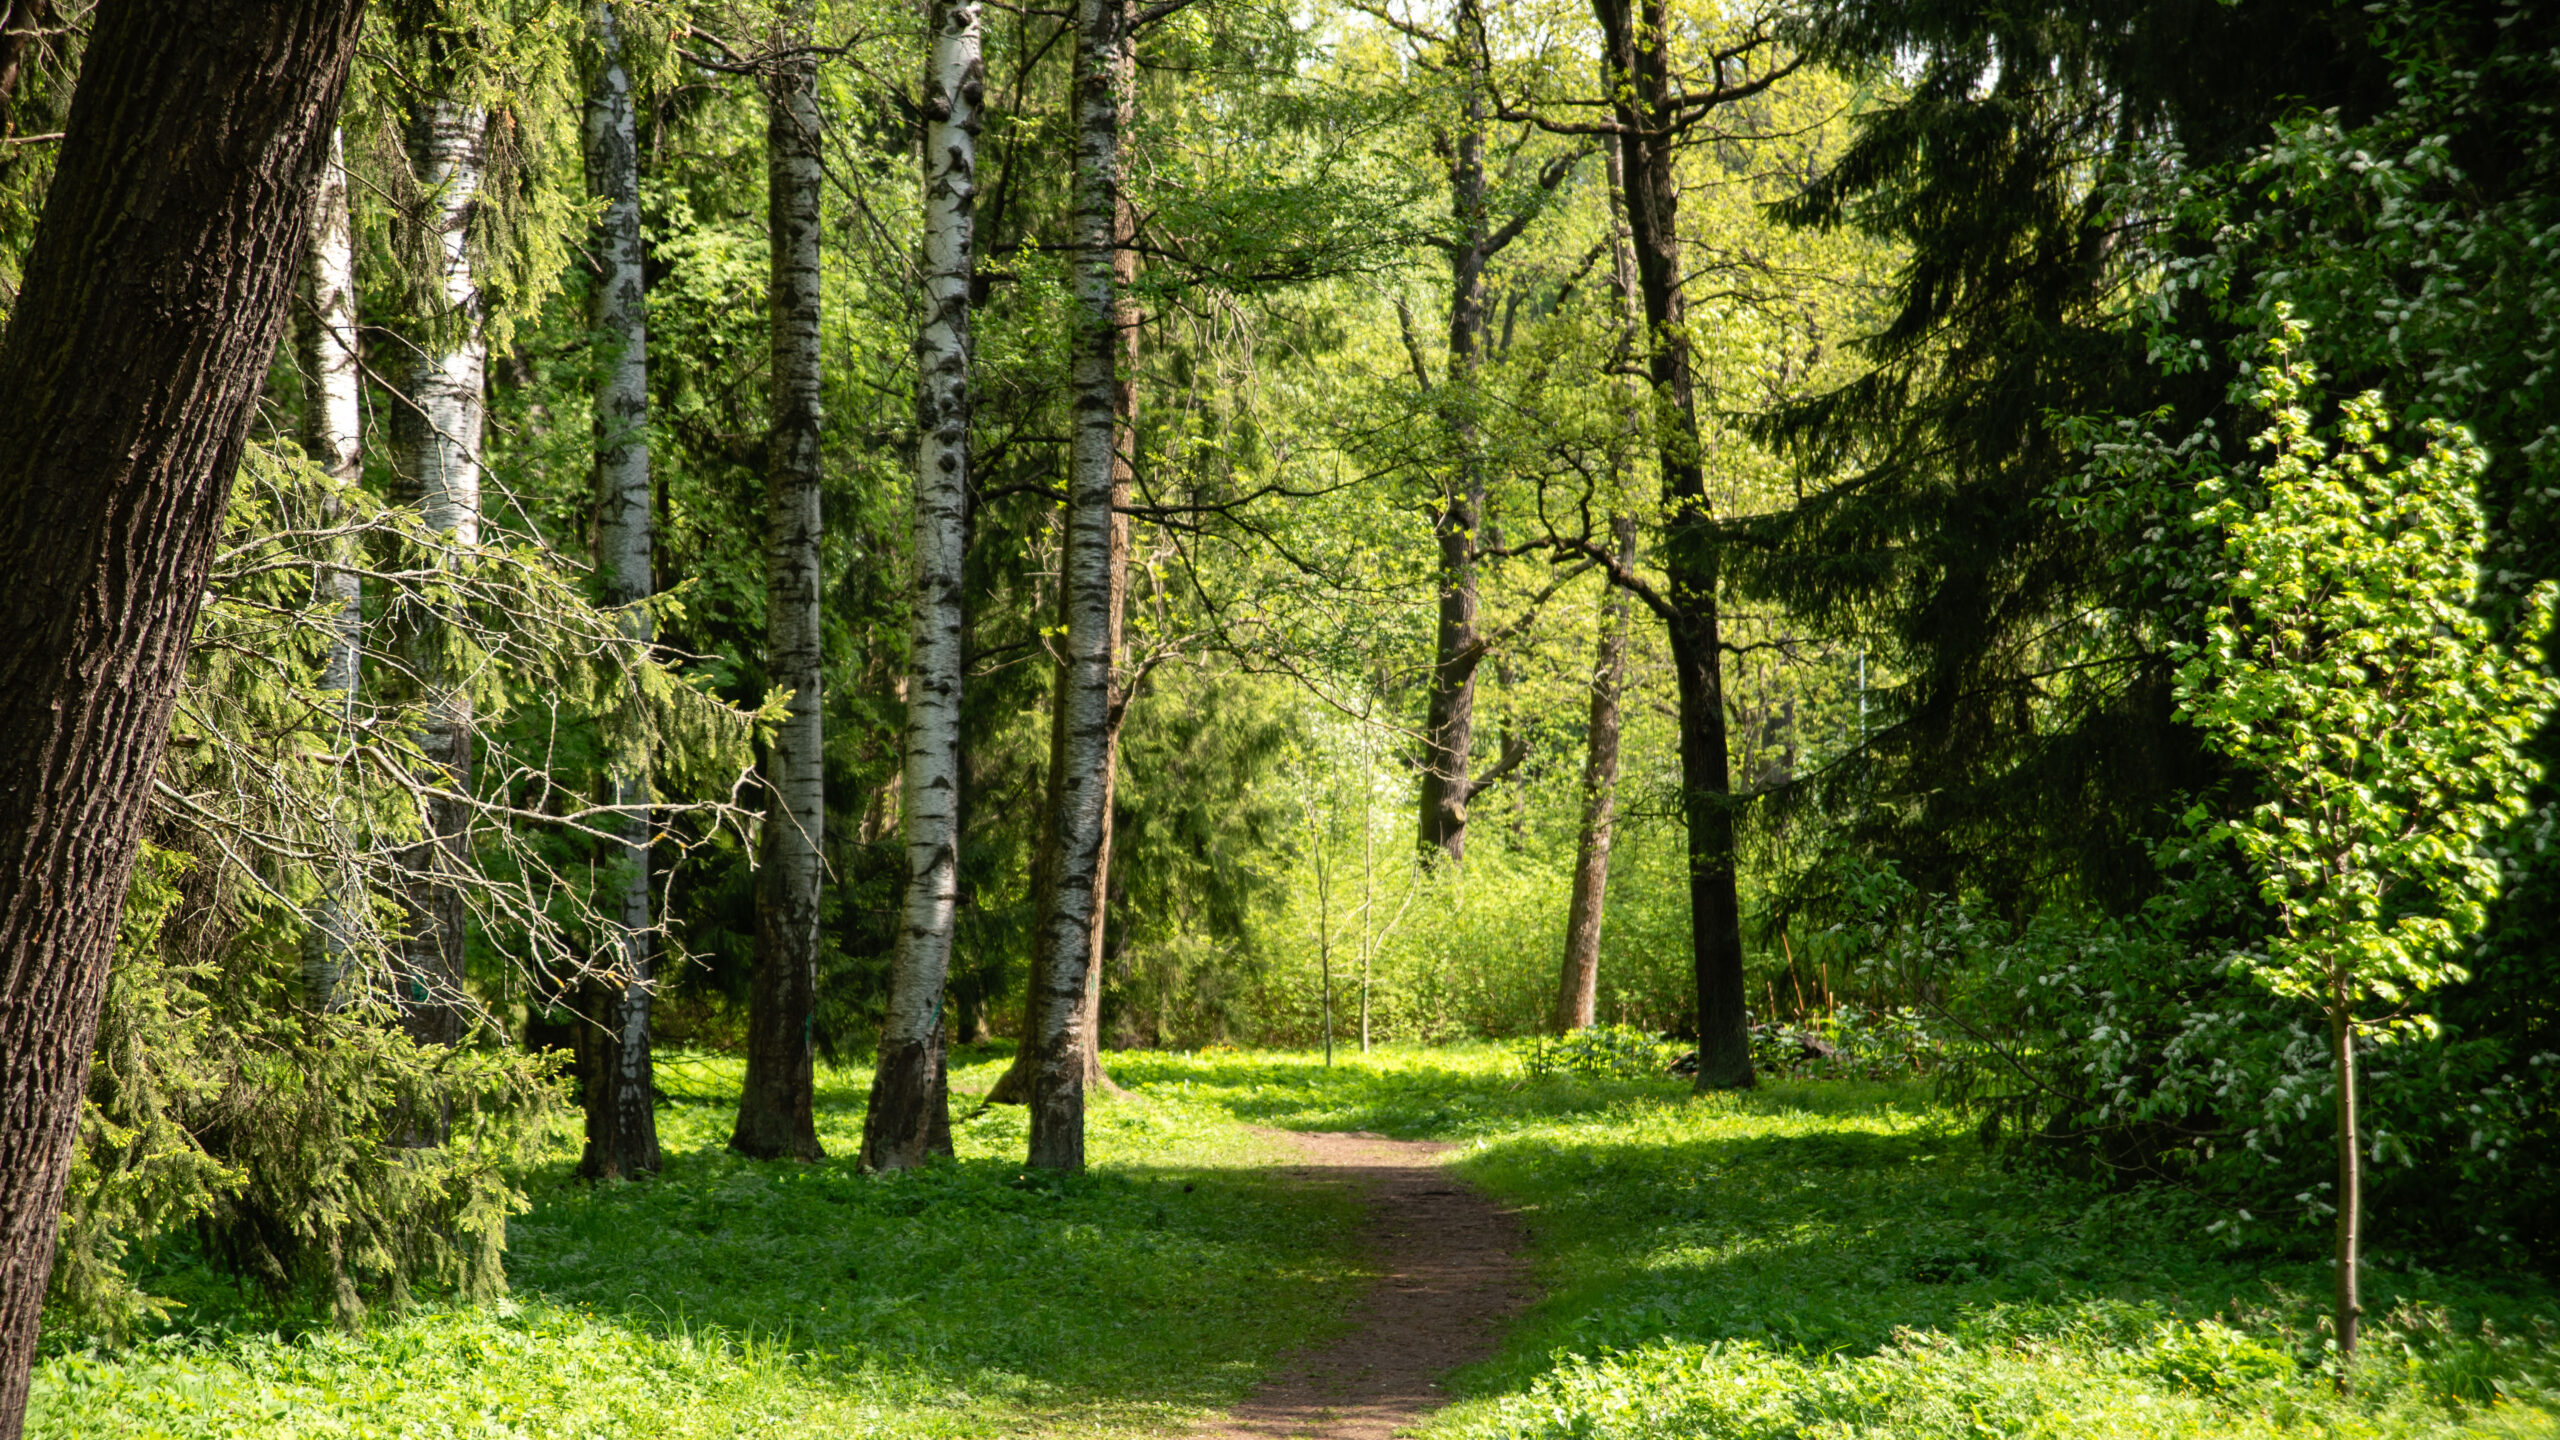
pixel 2127 433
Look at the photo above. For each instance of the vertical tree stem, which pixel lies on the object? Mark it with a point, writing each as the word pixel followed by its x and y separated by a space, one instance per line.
pixel 909 1102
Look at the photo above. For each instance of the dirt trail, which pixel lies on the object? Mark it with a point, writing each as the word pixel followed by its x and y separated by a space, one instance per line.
pixel 1451 1276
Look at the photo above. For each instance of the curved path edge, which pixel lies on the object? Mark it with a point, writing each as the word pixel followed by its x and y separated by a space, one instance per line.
pixel 1451 1275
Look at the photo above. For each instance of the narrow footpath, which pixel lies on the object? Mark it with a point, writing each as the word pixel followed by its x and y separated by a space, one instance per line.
pixel 1450 1276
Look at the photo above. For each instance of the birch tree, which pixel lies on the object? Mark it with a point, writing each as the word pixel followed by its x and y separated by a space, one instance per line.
pixel 909 1115
pixel 152 301
pixel 622 1122
pixel 775 1115
pixel 439 437
pixel 332 435
pixel 1064 953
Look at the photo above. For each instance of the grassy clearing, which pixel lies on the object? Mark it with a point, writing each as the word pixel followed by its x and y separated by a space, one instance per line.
pixel 1816 1261
pixel 736 1299
pixel 1834 1259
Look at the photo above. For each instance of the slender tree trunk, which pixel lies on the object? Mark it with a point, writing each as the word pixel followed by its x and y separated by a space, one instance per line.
pixel 1124 443
pixel 1639 83
pixel 332 435
pixel 909 1103
pixel 1014 1087
pixel 1579 993
pixel 440 434
pixel 1577 996
pixel 622 1116
pixel 2349 1316
pixel 152 302
pixel 776 1117
pixel 1448 730
pixel 1102 75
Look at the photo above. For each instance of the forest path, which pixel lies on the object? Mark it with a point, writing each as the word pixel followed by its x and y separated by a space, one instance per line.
pixel 1450 1275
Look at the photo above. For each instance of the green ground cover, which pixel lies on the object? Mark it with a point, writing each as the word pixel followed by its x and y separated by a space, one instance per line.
pixel 737 1299
pixel 1818 1259
pixel 1838 1259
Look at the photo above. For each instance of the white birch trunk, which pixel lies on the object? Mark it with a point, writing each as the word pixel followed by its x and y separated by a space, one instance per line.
pixel 441 456
pixel 332 435
pixel 622 1124
pixel 1065 953
pixel 775 1114
pixel 909 1105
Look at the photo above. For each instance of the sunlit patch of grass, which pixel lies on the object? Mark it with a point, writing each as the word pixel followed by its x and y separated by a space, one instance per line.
pixel 1840 1259
pixel 735 1298
pixel 1811 1261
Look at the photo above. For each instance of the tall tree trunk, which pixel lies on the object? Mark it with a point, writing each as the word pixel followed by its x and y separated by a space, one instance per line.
pixel 910 1102
pixel 440 434
pixel 153 298
pixel 332 435
pixel 1448 730
pixel 622 1116
pixel 1639 83
pixel 775 1111
pixel 1014 1087
pixel 1578 994
pixel 1065 951
pixel 1124 441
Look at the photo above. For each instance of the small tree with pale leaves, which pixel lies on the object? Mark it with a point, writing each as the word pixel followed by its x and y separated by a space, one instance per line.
pixel 2340 663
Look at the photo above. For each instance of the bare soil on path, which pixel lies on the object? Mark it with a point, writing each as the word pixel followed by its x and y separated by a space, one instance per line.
pixel 1450 1276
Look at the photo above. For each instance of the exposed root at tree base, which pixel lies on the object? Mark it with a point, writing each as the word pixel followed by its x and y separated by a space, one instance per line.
pixel 1451 1277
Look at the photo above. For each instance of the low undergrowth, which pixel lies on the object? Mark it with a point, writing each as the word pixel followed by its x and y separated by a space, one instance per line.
pixel 1839 1258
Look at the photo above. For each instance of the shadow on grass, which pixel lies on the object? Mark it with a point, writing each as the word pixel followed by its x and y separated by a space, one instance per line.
pixel 1154 1284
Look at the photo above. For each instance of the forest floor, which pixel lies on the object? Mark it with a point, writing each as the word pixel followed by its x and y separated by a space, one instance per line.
pixel 1449 1275
pixel 1814 1259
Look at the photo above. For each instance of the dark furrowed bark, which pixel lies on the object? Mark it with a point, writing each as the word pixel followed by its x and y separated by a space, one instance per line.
pixel 1577 994
pixel 1642 93
pixel 1448 727
pixel 153 299
pixel 775 1108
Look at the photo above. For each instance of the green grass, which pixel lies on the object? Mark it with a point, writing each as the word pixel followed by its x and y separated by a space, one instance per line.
pixel 1814 1261
pixel 730 1298
pixel 1836 1259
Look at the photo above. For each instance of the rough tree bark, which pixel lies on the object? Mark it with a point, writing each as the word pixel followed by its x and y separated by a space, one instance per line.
pixel 1460 646
pixel 622 1116
pixel 1649 111
pixel 910 1100
pixel 1448 729
pixel 332 435
pixel 438 437
pixel 775 1114
pixel 1065 949
pixel 1578 995
pixel 153 299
